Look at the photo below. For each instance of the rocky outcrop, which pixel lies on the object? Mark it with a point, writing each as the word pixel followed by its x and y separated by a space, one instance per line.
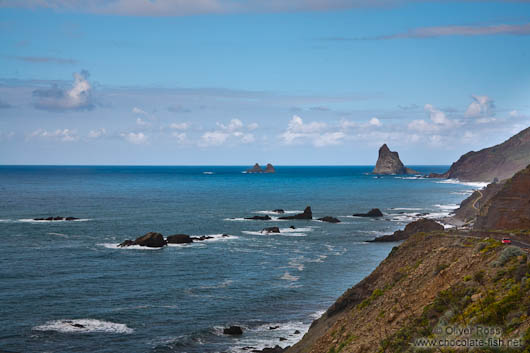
pixel 269 168
pixel 374 212
pixel 150 240
pixel 509 208
pixel 423 225
pixel 469 208
pixel 257 169
pixel 271 230
pixel 56 218
pixel 307 214
pixel 260 218
pixel 329 219
pixel 233 330
pixel 179 239
pixel 389 163
pixel 279 210
pixel 501 161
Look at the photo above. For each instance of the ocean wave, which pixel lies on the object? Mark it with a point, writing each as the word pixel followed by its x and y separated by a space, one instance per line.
pixel 208 173
pixel 416 177
pixel 273 212
pixel 243 219
pixel 478 185
pixel 406 208
pixel 30 220
pixel 132 247
pixel 83 326
pixel 448 207
pixel 288 277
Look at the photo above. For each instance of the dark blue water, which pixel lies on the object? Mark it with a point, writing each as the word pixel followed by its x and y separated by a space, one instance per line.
pixel 179 298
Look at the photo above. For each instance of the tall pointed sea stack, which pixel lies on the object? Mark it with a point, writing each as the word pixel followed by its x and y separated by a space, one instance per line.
pixel 389 163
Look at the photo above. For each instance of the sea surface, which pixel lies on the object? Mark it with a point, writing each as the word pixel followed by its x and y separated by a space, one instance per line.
pixel 67 287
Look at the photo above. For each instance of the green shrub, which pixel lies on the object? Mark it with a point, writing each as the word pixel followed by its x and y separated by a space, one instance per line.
pixel 506 255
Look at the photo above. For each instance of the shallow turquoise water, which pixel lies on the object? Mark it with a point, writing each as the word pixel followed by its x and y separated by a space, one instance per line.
pixel 177 299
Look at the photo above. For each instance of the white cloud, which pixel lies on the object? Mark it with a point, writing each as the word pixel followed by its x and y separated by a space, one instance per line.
pixel 140 111
pixel 141 122
pixel 78 97
pixel 439 121
pixel 482 106
pixel 437 116
pixel 252 126
pixel 135 138
pixel 235 131
pixel 64 135
pixel 375 122
pixel 514 114
pixel 94 134
pixel 179 126
pixel 316 132
pixel 346 124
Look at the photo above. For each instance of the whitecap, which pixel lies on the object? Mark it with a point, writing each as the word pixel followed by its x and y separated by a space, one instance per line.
pixel 274 212
pixel 31 220
pixel 83 326
pixel 132 247
pixel 208 173
pixel 288 277
pixel 448 207
pixel 478 185
pixel 406 208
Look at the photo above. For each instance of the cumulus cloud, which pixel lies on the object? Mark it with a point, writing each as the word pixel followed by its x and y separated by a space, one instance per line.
pixel 439 121
pixel 235 130
pixel 136 138
pixel 375 122
pixel 77 97
pixel 94 134
pixel 316 132
pixel 64 135
pixel 482 106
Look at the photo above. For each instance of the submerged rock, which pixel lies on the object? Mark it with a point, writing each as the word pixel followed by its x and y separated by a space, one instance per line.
pixel 329 219
pixel 179 239
pixel 421 225
pixel 307 214
pixel 233 330
pixel 150 240
pixel 271 230
pixel 56 218
pixel 260 218
pixel 278 210
pixel 389 163
pixel 374 212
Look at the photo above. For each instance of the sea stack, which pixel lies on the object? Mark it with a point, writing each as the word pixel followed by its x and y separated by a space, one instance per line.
pixel 257 169
pixel 389 163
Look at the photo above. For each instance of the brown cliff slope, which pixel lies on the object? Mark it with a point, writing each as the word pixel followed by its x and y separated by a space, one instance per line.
pixel 510 207
pixel 501 161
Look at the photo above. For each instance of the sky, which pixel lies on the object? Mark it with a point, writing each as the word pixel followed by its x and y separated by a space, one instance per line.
pixel 234 82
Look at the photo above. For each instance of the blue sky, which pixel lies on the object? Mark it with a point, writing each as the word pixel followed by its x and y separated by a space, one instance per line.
pixel 238 82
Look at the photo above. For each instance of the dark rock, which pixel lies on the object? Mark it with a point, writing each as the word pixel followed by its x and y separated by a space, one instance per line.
pixel 271 230
pixel 150 240
pixel 278 210
pixel 297 332
pixel 70 218
pixel 307 214
pixel 422 225
pixel 201 238
pixel 255 169
pixel 225 235
pixel 276 349
pixel 292 227
pixel 233 330
pixel 260 218
pixel 374 212
pixel 329 219
pixel 78 325
pixel 56 218
pixel 269 168
pixel 389 163
pixel 274 327
pixel 179 239
pixel 283 339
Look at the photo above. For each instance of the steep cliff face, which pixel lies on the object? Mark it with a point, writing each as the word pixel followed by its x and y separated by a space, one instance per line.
pixel 428 282
pixel 389 163
pixel 509 208
pixel 501 161
pixel 469 208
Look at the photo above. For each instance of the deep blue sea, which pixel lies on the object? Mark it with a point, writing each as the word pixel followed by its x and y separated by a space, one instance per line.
pixel 178 299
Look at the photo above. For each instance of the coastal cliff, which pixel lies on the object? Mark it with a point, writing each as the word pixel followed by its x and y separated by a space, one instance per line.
pixel 498 162
pixel 439 279
pixel 388 162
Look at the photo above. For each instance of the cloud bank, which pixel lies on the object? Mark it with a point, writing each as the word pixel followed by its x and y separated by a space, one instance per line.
pixel 77 97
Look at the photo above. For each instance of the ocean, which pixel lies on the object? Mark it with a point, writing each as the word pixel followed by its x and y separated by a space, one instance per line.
pixel 65 286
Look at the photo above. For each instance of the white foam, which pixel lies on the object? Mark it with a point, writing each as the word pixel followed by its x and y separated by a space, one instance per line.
pixel 273 212
pixel 208 173
pixel 416 177
pixel 89 325
pixel 30 220
pixel 406 209
pixel 478 185
pixel 215 237
pixel 448 207
pixel 288 277
pixel 131 247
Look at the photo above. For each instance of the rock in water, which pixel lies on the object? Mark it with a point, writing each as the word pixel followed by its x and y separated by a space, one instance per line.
pixel 179 239
pixel 510 207
pixel 421 225
pixel 307 214
pixel 269 168
pixel 271 230
pixel 150 240
pixel 329 219
pixel 389 163
pixel 279 210
pixel 255 169
pixel 260 218
pixel 233 330
pixel 374 212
